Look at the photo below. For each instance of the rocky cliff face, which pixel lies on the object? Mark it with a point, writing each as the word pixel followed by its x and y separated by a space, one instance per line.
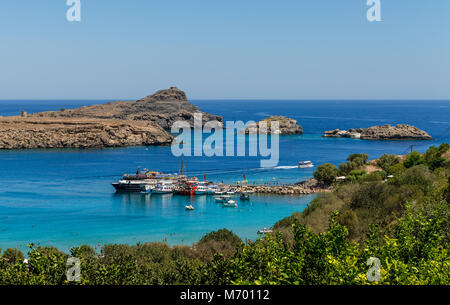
pixel 286 126
pixel 163 108
pixel 31 133
pixel 385 132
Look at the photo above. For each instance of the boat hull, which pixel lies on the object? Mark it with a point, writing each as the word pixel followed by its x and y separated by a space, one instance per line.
pixel 125 187
pixel 305 166
pixel 200 193
pixel 162 192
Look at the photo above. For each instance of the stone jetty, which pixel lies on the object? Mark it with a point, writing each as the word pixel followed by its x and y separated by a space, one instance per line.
pixel 307 187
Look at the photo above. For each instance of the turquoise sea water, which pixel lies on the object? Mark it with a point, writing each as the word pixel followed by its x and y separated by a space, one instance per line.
pixel 64 197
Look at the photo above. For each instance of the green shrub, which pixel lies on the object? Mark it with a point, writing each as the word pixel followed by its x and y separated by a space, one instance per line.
pixel 13 255
pixel 443 148
pixel 356 174
pixel 373 177
pixel 349 219
pixel 419 176
pixel 84 251
pixel 222 235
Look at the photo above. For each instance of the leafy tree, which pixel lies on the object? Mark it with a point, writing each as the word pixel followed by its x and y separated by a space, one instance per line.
pixel 433 158
pixel 413 159
pixel 444 147
pixel 354 162
pixel 345 168
pixel 359 159
pixel 326 173
pixel 386 161
pixel 397 169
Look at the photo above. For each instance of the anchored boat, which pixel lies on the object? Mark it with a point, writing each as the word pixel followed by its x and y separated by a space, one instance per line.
pixel 230 203
pixel 222 198
pixel 244 196
pixel 265 231
pixel 201 188
pixel 165 187
pixel 137 182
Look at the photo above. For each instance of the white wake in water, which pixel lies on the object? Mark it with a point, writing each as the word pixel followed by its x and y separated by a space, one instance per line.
pixel 285 167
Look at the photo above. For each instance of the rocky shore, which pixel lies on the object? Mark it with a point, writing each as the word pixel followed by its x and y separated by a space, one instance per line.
pixel 32 133
pixel 286 126
pixel 163 108
pixel 385 132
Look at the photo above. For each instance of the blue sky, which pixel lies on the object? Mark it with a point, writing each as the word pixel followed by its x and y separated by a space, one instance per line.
pixel 299 49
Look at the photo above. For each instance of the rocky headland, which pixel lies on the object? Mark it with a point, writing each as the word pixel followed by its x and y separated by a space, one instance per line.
pixel 163 108
pixel 35 132
pixel 114 124
pixel 384 132
pixel 286 126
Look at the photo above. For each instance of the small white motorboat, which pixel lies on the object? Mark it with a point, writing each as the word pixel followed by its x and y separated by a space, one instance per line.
pixel 305 164
pixel 189 207
pixel 265 231
pixel 222 198
pixel 230 203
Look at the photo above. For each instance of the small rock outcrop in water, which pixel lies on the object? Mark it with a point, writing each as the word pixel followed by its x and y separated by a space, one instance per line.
pixel 164 107
pixel 385 132
pixel 286 126
pixel 31 133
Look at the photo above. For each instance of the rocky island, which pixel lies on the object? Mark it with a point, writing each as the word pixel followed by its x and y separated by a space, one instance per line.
pixel 384 132
pixel 286 126
pixel 163 108
pixel 114 124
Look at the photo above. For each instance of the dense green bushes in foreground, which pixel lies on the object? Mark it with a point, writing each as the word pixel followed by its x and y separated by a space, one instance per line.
pixel 402 223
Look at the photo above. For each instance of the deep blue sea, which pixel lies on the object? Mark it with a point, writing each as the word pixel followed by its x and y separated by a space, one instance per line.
pixel 64 197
